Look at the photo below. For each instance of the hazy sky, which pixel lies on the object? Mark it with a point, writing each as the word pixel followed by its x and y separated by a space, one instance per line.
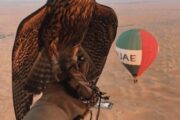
pixel 101 1
pixel 96 0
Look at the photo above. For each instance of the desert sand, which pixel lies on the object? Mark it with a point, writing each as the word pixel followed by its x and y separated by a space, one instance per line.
pixel 157 94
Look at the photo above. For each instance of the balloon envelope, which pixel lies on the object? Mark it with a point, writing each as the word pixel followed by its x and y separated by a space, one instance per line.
pixel 136 49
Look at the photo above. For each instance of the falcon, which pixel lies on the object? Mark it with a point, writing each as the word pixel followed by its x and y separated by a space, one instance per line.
pixel 52 39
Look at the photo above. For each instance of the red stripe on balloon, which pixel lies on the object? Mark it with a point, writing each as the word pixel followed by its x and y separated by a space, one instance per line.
pixel 149 50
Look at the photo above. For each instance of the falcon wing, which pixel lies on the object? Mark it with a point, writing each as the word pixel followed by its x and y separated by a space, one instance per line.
pixel 98 40
pixel 25 52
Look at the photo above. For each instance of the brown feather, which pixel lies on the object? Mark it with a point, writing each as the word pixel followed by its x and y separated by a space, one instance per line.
pixel 25 51
pixel 31 64
pixel 98 40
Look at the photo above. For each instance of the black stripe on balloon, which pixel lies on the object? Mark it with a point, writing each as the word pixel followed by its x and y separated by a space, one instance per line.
pixel 133 69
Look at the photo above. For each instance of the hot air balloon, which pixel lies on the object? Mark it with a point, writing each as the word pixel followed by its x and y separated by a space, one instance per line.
pixel 137 50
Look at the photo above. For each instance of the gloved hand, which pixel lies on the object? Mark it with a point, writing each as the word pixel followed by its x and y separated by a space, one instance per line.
pixel 56 104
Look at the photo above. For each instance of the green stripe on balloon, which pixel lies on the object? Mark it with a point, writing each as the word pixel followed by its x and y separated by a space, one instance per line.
pixel 130 40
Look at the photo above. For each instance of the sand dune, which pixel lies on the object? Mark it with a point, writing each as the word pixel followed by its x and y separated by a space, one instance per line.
pixel 155 97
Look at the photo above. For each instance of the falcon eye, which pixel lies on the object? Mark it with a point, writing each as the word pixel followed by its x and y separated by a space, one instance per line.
pixel 81 58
